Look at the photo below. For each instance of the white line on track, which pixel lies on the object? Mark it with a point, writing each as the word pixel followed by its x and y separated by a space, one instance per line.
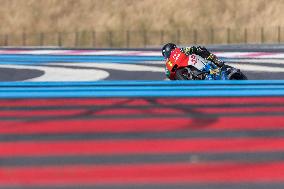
pixel 256 68
pixel 270 61
pixel 63 74
pixel 114 66
pixel 133 67
pixel 137 53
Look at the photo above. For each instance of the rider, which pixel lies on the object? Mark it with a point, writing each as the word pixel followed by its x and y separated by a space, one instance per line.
pixel 170 49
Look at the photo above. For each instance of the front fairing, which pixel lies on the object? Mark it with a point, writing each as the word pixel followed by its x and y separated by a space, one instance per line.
pixel 177 60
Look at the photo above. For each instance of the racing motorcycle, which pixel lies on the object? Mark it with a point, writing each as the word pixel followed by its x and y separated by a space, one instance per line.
pixel 198 68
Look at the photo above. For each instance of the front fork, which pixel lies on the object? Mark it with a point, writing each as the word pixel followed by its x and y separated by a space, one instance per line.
pixel 224 74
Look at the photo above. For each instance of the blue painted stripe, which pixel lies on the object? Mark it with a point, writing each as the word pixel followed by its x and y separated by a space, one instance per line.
pixel 40 59
pixel 142 83
pixel 26 59
pixel 88 94
pixel 81 57
pixel 141 89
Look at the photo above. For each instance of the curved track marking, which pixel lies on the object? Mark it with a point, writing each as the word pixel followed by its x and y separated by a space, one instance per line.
pixel 64 74
pixel 114 66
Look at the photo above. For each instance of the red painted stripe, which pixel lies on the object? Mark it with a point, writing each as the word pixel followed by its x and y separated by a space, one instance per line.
pixel 148 111
pixel 153 146
pixel 141 125
pixel 140 101
pixel 256 54
pixel 62 102
pixel 136 111
pixel 145 174
pixel 95 125
pixel 32 113
pixel 177 111
pixel 221 100
pixel 241 110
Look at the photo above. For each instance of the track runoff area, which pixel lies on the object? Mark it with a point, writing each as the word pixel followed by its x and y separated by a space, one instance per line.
pixel 62 130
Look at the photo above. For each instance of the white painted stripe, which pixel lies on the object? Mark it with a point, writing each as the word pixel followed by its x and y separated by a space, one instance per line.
pixel 230 54
pixel 248 67
pixel 247 60
pixel 133 67
pixel 270 61
pixel 114 66
pixel 154 62
pixel 122 53
pixel 157 53
pixel 63 74
pixel 275 55
pixel 44 52
pixel 136 53
pixel 92 52
pixel 249 55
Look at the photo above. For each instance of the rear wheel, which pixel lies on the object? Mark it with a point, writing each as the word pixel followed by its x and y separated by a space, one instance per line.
pixel 183 74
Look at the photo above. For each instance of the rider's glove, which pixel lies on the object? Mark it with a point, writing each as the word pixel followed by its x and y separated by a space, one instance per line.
pixel 213 58
pixel 204 53
pixel 201 51
pixel 219 63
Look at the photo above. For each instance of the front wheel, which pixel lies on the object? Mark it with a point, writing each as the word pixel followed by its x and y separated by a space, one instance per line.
pixel 238 76
pixel 235 74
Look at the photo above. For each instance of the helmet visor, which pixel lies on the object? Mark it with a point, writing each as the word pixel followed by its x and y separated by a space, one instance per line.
pixel 167 54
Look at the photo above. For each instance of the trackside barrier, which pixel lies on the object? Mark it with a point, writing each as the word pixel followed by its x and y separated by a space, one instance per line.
pixel 11 90
pixel 144 38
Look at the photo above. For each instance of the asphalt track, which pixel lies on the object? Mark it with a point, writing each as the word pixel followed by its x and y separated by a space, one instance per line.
pixel 137 134
pixel 90 65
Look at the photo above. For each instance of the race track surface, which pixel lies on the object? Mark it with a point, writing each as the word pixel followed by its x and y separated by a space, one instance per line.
pixel 76 132
pixel 91 65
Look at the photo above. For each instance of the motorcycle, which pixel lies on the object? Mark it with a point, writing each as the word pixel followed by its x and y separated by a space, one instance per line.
pixel 198 68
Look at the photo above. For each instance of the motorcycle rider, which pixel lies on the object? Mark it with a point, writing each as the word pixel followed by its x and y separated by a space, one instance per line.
pixel 171 51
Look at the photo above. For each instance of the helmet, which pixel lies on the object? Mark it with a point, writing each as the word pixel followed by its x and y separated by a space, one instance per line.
pixel 167 49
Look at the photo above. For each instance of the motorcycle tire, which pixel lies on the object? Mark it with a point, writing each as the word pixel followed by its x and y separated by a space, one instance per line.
pixel 235 74
pixel 238 76
pixel 182 74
